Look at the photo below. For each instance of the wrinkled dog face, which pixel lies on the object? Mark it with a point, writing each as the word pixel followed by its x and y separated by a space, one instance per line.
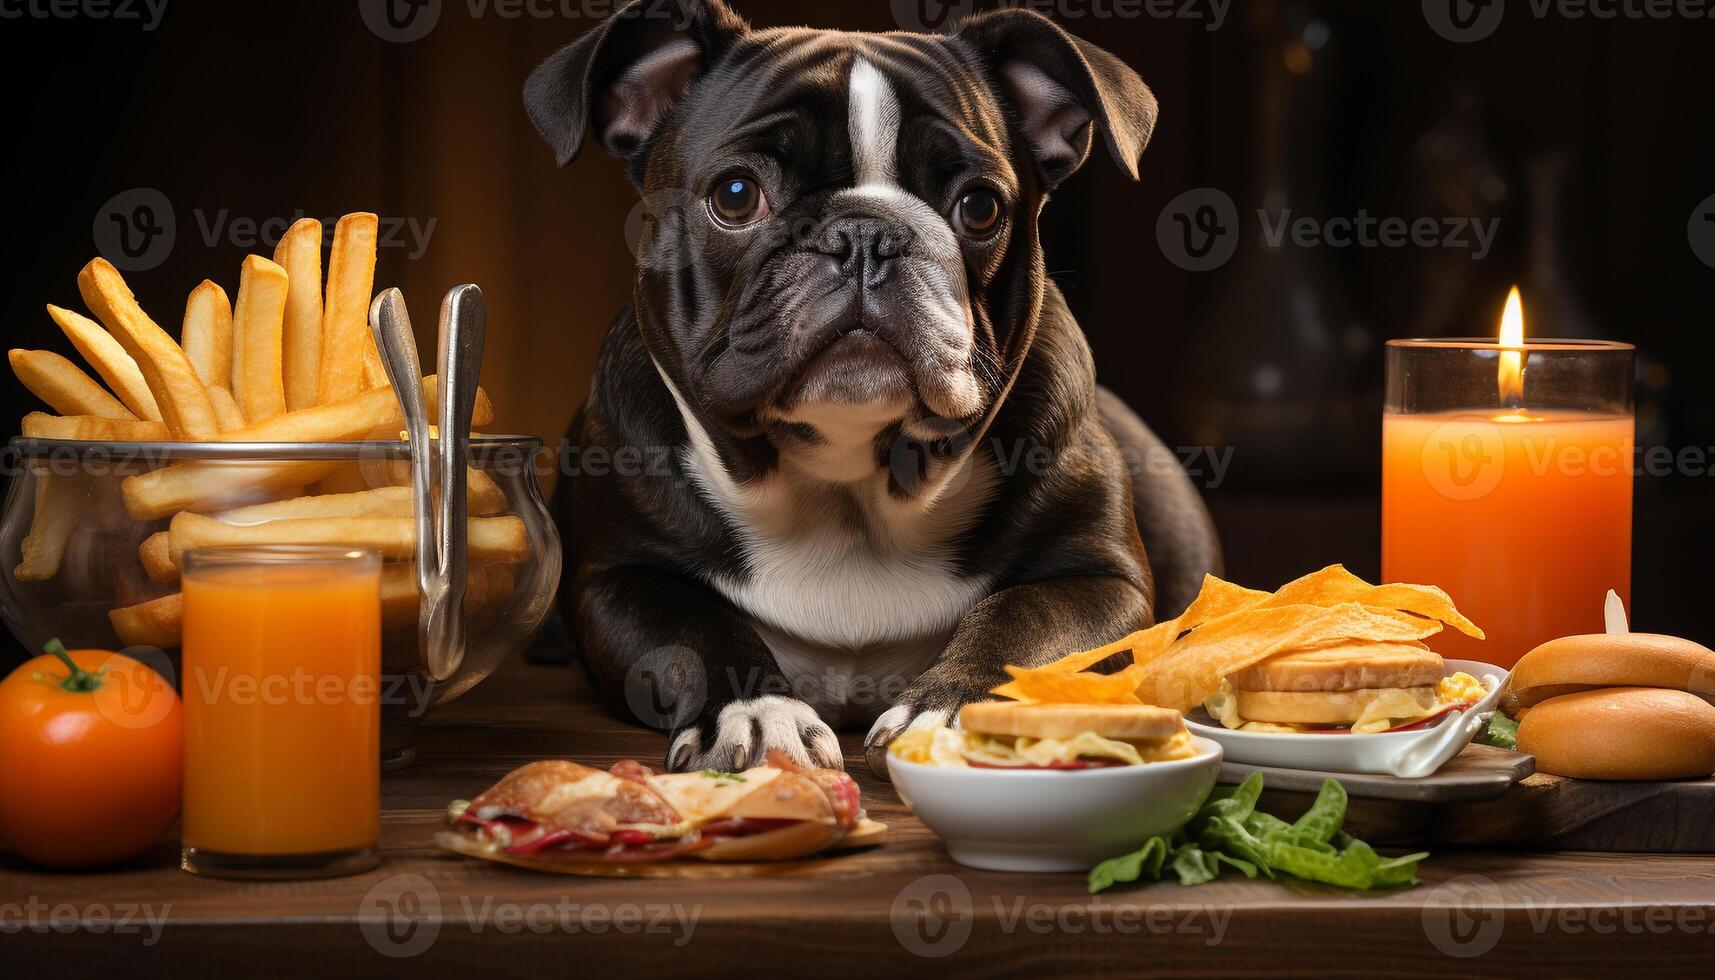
pixel 847 200
pixel 840 228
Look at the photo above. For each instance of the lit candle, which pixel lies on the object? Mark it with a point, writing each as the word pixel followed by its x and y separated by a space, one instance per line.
pixel 1507 481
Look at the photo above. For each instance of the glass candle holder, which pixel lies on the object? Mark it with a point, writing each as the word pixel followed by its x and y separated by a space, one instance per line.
pixel 1507 481
pixel 282 664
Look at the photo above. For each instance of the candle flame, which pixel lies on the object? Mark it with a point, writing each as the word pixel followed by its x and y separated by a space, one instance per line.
pixel 1510 379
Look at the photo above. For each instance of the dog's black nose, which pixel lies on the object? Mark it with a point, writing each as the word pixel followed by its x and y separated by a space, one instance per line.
pixel 864 248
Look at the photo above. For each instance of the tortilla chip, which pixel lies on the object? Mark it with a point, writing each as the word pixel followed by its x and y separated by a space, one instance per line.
pixel 1191 670
pixel 1057 687
pixel 1334 584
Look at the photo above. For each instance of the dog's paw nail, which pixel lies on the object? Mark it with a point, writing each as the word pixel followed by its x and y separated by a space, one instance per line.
pixel 684 750
pixel 745 731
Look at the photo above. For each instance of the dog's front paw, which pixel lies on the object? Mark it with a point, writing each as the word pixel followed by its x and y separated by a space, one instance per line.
pixel 896 721
pixel 741 734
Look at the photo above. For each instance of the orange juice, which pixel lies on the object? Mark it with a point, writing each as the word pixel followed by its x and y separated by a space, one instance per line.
pixel 1523 517
pixel 282 656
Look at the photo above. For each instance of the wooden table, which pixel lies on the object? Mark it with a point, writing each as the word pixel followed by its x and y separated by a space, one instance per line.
pixel 900 909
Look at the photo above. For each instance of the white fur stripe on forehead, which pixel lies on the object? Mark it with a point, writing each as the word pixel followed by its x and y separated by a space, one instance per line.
pixel 873 125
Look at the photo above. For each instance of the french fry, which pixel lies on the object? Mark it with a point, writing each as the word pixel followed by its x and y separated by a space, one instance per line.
pixel 381 502
pixel 215 486
pixel 182 397
pixel 158 623
pixel 300 254
pixel 226 408
pixel 207 334
pixel 257 317
pixel 109 360
pixel 357 417
pixel 352 478
pixel 92 428
pixel 64 386
pixel 55 517
pixel 156 555
pixel 345 310
pixel 491 539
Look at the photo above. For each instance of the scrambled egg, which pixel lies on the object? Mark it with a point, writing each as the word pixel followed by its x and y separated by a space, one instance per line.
pixel 947 747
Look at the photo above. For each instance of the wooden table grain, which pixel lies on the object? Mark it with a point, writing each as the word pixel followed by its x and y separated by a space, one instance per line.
pixel 899 909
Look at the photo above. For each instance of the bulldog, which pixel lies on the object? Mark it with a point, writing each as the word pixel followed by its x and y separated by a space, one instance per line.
pixel 855 456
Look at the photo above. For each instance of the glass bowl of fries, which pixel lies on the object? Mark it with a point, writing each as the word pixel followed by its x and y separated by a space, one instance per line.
pixel 93 532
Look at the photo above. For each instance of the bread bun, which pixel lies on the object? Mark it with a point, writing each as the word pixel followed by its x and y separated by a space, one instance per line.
pixel 1581 663
pixel 1349 667
pixel 1320 708
pixel 1143 723
pixel 1621 733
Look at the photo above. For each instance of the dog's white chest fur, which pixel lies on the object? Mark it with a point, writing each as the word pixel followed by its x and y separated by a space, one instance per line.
pixel 855 591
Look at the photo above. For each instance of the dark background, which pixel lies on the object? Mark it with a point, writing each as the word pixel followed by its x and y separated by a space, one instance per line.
pixel 1590 142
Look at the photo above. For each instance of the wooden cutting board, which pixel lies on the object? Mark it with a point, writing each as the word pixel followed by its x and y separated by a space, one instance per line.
pixel 1491 797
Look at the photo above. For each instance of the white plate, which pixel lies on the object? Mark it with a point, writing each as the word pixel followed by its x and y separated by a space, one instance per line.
pixel 1054 820
pixel 1409 755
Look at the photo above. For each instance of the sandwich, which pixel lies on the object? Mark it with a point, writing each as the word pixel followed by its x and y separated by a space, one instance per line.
pixel 1616 706
pixel 1351 688
pixel 1022 735
pixel 565 817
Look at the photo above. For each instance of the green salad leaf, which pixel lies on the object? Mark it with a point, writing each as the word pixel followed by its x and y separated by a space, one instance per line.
pixel 1502 733
pixel 1229 831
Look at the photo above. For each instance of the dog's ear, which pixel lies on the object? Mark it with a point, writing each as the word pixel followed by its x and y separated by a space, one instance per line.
pixel 1059 86
pixel 626 75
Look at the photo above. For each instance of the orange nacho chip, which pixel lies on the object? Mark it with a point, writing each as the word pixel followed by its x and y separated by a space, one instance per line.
pixel 1192 669
pixel 1179 663
pixel 1334 584
pixel 1057 687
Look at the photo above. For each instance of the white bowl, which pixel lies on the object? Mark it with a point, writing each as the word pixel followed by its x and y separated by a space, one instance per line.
pixel 1408 755
pixel 1054 820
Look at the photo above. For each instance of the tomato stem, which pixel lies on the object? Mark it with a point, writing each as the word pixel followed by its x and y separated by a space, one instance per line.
pixel 80 681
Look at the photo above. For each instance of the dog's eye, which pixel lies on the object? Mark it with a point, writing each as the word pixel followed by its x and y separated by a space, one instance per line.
pixel 737 201
pixel 977 214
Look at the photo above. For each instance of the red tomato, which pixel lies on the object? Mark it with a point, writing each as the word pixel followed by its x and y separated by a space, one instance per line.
pixel 91 758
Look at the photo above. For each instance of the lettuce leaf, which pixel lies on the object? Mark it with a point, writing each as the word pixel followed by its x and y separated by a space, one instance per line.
pixel 1229 832
pixel 1502 733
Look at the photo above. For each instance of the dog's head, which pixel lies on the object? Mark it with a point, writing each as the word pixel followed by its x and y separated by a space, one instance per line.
pixel 840 226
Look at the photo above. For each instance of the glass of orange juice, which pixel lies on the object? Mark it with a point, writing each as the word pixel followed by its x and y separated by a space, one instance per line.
pixel 282 657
